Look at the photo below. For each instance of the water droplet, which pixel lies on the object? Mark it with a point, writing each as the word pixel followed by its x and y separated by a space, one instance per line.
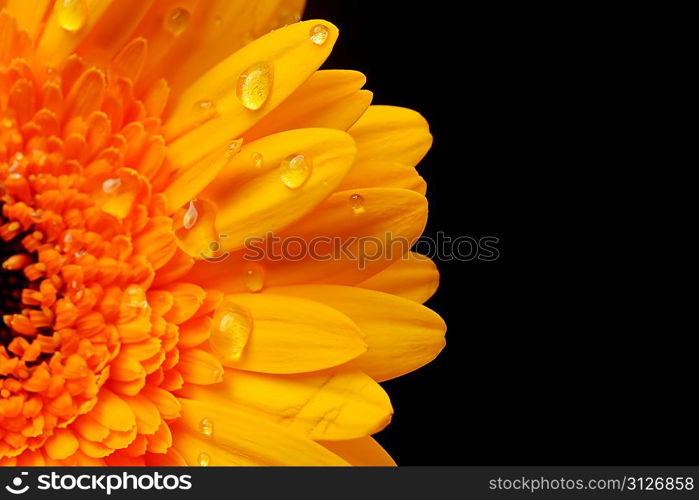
pixel 254 277
pixel 177 20
pixel 135 298
pixel 294 171
pixel 254 86
pixel 190 216
pixel 204 110
pixel 230 330
pixel 357 203
pixel 71 14
pixel 234 148
pixel 203 459
pixel 319 34
pixel 206 426
pixel 110 186
pixel 257 160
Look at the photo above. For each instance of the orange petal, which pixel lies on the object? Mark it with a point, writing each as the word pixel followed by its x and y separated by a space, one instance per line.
pixel 61 445
pixel 56 43
pixel 200 367
pixel 113 412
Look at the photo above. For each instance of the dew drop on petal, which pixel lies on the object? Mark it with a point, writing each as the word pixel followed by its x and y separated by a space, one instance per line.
pixel 204 109
pixel 190 216
pixel 135 298
pixel 233 148
pixel 230 330
pixel 71 14
pixel 257 160
pixel 294 171
pixel 357 203
pixel 254 86
pixel 206 426
pixel 254 277
pixel 203 459
pixel 177 20
pixel 319 34
pixel 111 186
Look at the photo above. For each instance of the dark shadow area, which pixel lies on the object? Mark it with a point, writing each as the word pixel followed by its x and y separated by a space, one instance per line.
pixel 556 354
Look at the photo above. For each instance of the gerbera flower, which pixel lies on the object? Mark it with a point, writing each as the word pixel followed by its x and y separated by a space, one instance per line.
pixel 142 144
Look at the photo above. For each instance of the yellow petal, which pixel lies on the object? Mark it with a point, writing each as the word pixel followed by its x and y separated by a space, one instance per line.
pixel 369 174
pixel 113 31
pixel 28 14
pixel 291 57
pixel 366 243
pixel 242 439
pixel 291 335
pixel 253 200
pixel 190 180
pixel 402 335
pixel 56 43
pixel 216 29
pixel 362 452
pixel 328 99
pixel 414 277
pixel 322 405
pixel 389 133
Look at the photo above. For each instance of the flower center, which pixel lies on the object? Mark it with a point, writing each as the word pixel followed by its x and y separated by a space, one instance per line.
pixel 82 233
pixel 12 280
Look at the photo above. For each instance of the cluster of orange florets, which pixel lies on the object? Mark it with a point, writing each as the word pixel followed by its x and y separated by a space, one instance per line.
pixel 82 235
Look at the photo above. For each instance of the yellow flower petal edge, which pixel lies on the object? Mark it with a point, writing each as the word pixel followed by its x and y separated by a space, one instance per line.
pixel 323 405
pixel 401 335
pixel 238 438
pixel 286 54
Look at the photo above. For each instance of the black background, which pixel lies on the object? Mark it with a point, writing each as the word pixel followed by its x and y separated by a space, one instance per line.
pixel 564 350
